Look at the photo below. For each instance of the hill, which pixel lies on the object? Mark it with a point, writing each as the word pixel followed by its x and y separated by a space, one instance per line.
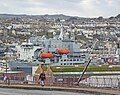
pixel 118 16
pixel 56 16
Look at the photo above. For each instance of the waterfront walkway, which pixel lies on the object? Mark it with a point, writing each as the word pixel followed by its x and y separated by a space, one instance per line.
pixel 88 90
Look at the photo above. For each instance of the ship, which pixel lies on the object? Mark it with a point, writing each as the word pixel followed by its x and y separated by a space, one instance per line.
pixel 61 50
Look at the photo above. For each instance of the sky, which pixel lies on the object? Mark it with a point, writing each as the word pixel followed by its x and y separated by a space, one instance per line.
pixel 81 8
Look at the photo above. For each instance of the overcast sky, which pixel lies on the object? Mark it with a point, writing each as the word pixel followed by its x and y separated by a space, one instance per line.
pixel 82 8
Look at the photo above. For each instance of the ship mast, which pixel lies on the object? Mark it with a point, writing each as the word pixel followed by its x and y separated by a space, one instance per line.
pixel 61 36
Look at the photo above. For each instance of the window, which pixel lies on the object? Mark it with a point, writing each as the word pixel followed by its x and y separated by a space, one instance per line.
pixel 74 59
pixel 64 59
pixel 70 63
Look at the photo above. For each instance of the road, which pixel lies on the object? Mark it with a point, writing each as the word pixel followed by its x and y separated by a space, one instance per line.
pixel 7 91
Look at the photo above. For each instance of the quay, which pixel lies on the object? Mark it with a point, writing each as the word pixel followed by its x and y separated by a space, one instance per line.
pixel 80 89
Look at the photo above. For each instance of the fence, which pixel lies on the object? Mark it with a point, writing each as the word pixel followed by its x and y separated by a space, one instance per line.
pixel 102 81
pixel 112 81
pixel 15 77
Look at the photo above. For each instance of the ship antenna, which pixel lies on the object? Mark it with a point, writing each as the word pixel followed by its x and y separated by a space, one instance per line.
pixel 61 36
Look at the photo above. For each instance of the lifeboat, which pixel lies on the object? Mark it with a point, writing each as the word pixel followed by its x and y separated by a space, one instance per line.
pixel 63 51
pixel 46 55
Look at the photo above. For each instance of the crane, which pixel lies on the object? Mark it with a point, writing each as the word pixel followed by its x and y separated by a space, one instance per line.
pixel 90 58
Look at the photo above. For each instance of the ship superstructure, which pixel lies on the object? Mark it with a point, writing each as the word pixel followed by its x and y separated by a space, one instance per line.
pixel 26 51
pixel 63 42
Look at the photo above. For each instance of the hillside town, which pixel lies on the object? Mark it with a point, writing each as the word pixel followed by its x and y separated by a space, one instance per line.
pixel 54 47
